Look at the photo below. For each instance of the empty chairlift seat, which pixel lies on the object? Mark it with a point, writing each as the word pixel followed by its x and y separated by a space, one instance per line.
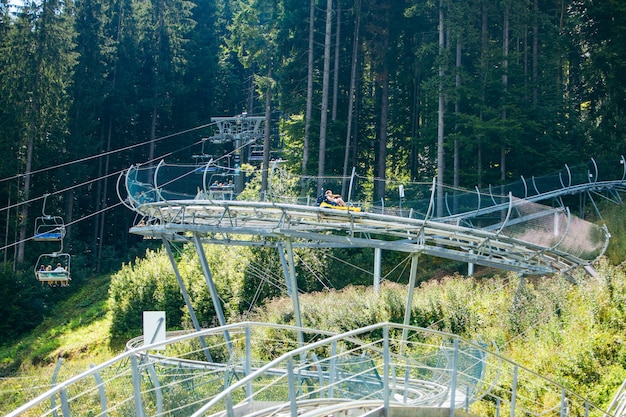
pixel 49 228
pixel 255 154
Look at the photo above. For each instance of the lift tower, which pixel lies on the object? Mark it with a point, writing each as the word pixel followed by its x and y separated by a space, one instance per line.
pixel 247 134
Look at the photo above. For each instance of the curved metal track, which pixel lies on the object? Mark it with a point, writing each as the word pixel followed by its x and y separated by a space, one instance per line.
pixel 267 224
pixel 492 228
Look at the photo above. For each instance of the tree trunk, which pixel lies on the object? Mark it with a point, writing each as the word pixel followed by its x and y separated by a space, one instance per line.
pixel 95 239
pixel 157 74
pixel 251 88
pixel 483 69
pixel 103 203
pixel 7 226
pixel 382 133
pixel 457 109
pixel 505 84
pixel 382 94
pixel 336 69
pixel 355 55
pixel 309 91
pixel 535 64
pixel 325 88
pixel 26 186
pixel 153 124
pixel 266 138
pixel 440 122
pixel 30 139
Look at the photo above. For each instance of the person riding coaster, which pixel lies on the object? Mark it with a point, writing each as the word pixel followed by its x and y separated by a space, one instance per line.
pixel 335 201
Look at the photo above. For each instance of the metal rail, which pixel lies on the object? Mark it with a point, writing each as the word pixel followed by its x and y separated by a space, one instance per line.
pixel 487 228
pixel 267 224
pixel 359 370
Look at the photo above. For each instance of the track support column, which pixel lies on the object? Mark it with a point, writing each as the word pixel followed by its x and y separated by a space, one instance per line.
pixel 409 297
pixel 209 282
pixel 183 291
pixel 289 269
pixel 377 269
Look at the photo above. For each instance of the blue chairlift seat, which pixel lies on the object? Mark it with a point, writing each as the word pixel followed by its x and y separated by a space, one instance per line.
pixel 49 228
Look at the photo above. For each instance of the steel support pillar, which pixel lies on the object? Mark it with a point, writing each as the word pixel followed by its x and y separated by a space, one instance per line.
pixel 409 297
pixel 54 382
pixel 377 269
pixel 183 291
pixel 285 251
pixel 209 282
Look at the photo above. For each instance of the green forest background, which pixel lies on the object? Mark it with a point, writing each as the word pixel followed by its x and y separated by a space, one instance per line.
pixel 477 92
pixel 473 92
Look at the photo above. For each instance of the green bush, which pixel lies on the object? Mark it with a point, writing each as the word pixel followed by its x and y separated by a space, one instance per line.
pixel 149 284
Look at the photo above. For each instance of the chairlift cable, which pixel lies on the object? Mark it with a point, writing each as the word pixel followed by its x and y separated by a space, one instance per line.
pixel 351 265
pixel 256 296
pixel 68 224
pixel 78 186
pixel 93 180
pixel 61 191
pixel 264 276
pixel 193 170
pixel 263 272
pixel 404 262
pixel 88 158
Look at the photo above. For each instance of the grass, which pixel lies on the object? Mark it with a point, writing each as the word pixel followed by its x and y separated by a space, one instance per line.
pixel 76 333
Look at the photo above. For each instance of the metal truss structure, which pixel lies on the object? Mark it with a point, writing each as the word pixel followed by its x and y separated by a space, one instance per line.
pixel 502 231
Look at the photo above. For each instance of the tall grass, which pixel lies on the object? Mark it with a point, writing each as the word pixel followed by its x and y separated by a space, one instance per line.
pixel 573 334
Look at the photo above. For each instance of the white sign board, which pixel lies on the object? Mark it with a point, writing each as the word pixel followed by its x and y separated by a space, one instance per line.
pixel 153 327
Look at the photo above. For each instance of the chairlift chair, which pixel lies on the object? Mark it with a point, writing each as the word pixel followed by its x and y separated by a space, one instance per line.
pixel 48 228
pixel 53 269
pixel 221 187
pixel 205 165
pixel 255 153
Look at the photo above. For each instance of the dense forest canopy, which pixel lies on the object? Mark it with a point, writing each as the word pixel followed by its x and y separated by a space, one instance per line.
pixel 477 92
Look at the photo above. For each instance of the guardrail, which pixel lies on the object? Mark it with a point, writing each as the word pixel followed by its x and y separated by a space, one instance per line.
pixel 168 182
pixel 179 187
pixel 261 369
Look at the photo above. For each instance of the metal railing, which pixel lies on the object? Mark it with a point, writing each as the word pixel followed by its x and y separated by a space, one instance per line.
pixel 167 182
pixel 267 369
